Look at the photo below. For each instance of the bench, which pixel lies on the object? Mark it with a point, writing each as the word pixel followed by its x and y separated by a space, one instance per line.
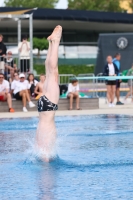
pixel 85 104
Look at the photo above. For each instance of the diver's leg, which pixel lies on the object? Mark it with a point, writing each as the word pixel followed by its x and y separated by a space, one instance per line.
pixel 55 38
pixel 51 87
pixel 48 57
pixel 51 62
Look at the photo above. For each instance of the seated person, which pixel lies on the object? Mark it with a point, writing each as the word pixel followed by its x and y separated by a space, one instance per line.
pixel 20 92
pixel 14 82
pixel 10 64
pixel 32 84
pixel 4 92
pixel 73 92
pixel 39 86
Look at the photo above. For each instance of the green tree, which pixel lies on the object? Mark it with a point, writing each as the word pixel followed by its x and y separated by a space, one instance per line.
pixel 99 5
pixel 40 44
pixel 31 3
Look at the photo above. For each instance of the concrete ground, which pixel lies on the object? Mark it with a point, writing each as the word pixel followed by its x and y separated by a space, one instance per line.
pixel 126 109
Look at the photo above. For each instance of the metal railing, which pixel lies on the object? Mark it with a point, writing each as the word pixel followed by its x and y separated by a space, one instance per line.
pixel 87 86
pixel 95 86
pixel 10 64
pixel 65 78
pixel 101 88
pixel 100 84
pixel 91 85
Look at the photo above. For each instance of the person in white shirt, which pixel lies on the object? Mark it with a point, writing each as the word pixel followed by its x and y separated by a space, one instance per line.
pixel 15 79
pixel 20 91
pixel 110 69
pixel 24 49
pixel 73 92
pixel 4 92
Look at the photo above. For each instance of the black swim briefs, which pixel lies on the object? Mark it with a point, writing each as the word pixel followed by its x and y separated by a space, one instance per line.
pixel 45 105
pixel 108 82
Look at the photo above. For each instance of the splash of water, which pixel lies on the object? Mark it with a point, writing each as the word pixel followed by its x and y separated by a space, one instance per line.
pixel 35 154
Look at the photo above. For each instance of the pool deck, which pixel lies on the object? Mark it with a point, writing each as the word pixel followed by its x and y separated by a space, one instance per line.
pixel 126 109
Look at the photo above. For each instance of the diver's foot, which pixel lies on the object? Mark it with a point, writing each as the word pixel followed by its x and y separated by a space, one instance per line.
pixel 56 35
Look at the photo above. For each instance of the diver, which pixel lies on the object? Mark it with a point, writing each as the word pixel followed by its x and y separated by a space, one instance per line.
pixel 48 102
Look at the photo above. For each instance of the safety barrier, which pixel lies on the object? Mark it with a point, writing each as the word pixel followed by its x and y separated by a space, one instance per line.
pixel 65 78
pixel 101 88
pixel 10 64
pixel 87 85
pixel 95 86
pixel 100 84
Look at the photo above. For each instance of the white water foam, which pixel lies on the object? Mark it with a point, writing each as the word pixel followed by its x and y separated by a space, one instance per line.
pixel 34 153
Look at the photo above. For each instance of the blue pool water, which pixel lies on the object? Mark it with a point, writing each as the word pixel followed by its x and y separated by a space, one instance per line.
pixel 95 160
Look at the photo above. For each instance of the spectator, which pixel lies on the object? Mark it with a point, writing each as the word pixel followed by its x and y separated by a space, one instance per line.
pixel 2 54
pixel 73 92
pixel 130 84
pixel 14 82
pixel 10 64
pixel 32 84
pixel 20 91
pixel 24 49
pixel 116 61
pixel 110 69
pixel 4 92
pixel 39 86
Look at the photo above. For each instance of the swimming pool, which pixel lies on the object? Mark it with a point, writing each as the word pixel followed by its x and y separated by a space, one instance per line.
pixel 95 160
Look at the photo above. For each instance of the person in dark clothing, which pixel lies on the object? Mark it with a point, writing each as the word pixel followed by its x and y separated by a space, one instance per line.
pixel 63 89
pixel 10 65
pixel 110 69
pixel 116 61
pixel 2 54
pixel 32 84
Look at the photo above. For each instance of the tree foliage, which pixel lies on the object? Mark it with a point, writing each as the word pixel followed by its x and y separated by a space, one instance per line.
pixel 31 3
pixel 40 44
pixel 98 5
pixel 130 3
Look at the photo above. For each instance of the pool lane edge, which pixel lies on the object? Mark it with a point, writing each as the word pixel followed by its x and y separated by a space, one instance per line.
pixel 117 110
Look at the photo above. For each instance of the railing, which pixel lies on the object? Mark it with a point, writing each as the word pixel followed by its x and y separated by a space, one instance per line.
pixel 87 85
pixel 95 86
pixel 65 78
pixel 10 64
pixel 100 85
